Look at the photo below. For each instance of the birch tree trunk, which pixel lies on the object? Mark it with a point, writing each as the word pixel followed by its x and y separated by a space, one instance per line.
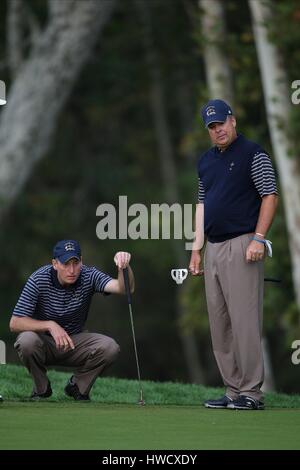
pixel 169 176
pixel 278 106
pixel 218 72
pixel 42 84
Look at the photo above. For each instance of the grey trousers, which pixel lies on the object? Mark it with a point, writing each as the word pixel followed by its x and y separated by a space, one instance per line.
pixel 234 293
pixel 92 354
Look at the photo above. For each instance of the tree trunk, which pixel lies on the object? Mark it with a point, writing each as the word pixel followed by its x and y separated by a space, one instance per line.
pixel 41 87
pixel 218 72
pixel 268 385
pixel 186 115
pixel 168 172
pixel 278 106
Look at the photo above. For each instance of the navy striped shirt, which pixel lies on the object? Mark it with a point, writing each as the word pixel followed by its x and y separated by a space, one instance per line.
pixel 44 298
pixel 231 186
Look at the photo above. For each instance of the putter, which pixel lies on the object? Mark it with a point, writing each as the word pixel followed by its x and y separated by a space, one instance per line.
pixel 127 289
pixel 180 274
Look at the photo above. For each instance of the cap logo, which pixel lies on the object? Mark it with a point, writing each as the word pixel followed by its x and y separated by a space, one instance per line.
pixel 69 246
pixel 210 111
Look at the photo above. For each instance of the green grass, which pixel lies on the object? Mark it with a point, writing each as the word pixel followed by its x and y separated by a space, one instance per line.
pixel 16 385
pixel 88 426
pixel 172 419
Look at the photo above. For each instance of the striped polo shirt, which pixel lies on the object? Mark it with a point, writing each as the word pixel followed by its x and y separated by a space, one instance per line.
pixel 44 298
pixel 231 186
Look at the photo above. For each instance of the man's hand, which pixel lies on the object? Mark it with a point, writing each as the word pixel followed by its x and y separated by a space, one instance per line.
pixel 60 336
pixel 255 251
pixel 122 259
pixel 194 266
pixel 116 286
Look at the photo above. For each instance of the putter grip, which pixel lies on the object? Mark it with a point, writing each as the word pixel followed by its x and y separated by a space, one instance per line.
pixel 126 282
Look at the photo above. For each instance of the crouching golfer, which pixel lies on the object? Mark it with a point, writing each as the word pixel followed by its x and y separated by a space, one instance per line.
pixel 50 317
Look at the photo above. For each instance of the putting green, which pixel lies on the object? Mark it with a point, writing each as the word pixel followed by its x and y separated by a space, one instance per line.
pixel 68 426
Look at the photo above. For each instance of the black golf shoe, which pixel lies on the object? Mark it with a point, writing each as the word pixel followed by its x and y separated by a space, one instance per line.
pixel 246 403
pixel 72 390
pixel 220 403
pixel 46 394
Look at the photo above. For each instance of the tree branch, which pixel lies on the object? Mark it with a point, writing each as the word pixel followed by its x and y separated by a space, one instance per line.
pixel 37 96
pixel 34 28
pixel 59 8
pixel 14 35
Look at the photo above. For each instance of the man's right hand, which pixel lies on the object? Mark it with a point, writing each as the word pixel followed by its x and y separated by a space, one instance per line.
pixel 194 266
pixel 60 336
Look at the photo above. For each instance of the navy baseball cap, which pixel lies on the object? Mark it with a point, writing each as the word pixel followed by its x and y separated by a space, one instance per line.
pixel 215 111
pixel 66 249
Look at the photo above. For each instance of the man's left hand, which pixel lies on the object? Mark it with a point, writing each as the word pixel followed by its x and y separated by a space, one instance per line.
pixel 122 259
pixel 255 251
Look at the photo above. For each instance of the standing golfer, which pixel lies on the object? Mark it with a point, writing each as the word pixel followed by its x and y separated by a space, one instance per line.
pixel 237 200
pixel 50 317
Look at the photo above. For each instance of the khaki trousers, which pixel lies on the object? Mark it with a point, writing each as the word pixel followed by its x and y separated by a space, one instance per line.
pixel 92 354
pixel 234 292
